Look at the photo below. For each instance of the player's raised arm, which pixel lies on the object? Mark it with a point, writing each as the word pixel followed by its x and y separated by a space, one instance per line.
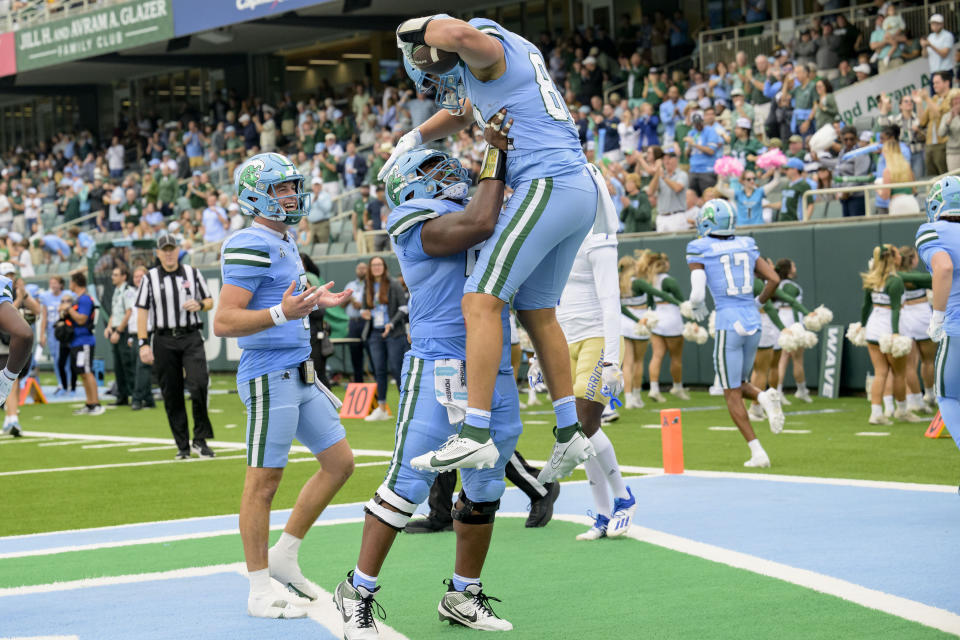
pixel 764 271
pixel 477 50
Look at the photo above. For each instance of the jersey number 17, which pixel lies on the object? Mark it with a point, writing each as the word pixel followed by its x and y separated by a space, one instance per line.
pixel 740 259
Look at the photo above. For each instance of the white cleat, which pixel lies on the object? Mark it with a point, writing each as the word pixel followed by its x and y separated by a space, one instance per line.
pixel 656 397
pixel 357 607
pixel 459 453
pixel 565 457
pixel 758 461
pixel 680 393
pixel 630 401
pixel 378 414
pixel 756 413
pixel 598 530
pixel 608 415
pixel 887 412
pixel 908 416
pixel 716 390
pixel 803 395
pixel 880 420
pixel 274 604
pixel 470 608
pixel 285 570
pixel 930 398
pixel 622 517
pixel 770 401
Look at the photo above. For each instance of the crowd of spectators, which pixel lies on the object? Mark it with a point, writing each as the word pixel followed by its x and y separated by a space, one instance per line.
pixel 656 134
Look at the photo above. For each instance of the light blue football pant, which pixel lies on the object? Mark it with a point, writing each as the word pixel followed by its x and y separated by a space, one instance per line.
pixel 947 384
pixel 536 240
pixel 423 425
pixel 281 408
pixel 733 356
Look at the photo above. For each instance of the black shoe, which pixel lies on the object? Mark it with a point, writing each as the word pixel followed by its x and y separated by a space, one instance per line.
pixel 119 403
pixel 150 405
pixel 183 454
pixel 428 525
pixel 542 510
pixel 15 431
pixel 136 406
pixel 202 449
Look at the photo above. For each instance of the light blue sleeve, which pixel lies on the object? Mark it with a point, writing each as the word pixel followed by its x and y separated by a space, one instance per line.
pixel 928 243
pixel 6 290
pixel 771 89
pixel 872 148
pixel 245 260
pixel 695 251
pixel 403 223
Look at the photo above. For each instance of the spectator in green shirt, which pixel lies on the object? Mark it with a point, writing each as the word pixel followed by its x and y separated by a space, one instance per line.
pixel 167 189
pixel 825 110
pixel 197 190
pixel 793 192
pixel 846 78
pixel 69 205
pixel 377 161
pixel 637 211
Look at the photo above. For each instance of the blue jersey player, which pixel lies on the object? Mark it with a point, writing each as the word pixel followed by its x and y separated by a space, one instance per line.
pixel 529 256
pixel 265 302
pixel 726 264
pixel 938 243
pixel 436 236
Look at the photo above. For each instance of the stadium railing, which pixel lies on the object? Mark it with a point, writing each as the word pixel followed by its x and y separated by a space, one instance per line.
pixel 870 189
pixel 762 38
pixel 39 11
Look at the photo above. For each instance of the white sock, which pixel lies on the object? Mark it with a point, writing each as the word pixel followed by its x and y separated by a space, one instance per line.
pixel 801 389
pixel 888 403
pixel 654 388
pixel 677 386
pixel 637 396
pixel 780 388
pixel 900 406
pixel 756 448
pixel 288 545
pixel 259 581
pixel 930 391
pixel 607 458
pixel 876 410
pixel 913 399
pixel 598 486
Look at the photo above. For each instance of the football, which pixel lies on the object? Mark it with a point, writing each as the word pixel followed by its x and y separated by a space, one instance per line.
pixel 433 60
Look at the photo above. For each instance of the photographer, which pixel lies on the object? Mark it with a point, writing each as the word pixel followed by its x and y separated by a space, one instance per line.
pixel 82 315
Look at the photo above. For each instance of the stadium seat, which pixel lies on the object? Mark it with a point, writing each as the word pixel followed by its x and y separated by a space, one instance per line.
pixel 41 269
pixel 319 249
pixel 834 209
pixel 337 248
pixel 819 211
pixel 198 258
pixel 351 247
pixel 337 228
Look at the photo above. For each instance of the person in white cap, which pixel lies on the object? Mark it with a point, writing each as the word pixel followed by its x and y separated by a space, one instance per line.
pixel 938 47
pixel 862 71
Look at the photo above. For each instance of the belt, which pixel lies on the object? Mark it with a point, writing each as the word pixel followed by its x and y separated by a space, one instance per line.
pixel 916 301
pixel 670 213
pixel 177 333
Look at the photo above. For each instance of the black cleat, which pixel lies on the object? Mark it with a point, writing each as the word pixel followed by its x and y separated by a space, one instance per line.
pixel 541 511
pixel 428 525
pixel 201 448
pixel 136 406
pixel 183 454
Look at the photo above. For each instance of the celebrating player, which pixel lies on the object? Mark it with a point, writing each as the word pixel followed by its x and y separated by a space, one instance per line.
pixel 529 255
pixel 265 302
pixel 726 264
pixel 938 243
pixel 436 236
pixel 20 347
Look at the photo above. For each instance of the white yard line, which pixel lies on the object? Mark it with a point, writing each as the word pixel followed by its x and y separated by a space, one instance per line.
pixel 145 463
pixel 24 439
pixel 105 446
pixel 905 608
pixel 61 443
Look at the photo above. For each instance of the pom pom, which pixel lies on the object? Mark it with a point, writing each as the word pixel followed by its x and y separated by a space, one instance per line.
pixel 796 337
pixel 900 346
pixel 818 318
pixel 641 329
pixel 857 334
pixel 771 159
pixel 822 140
pixel 686 309
pixel 886 343
pixel 650 319
pixel 712 324
pixel 728 166
pixel 525 343
pixel 693 332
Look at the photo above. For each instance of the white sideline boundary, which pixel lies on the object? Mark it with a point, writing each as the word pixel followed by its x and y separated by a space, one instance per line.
pixel 321 611
pixel 905 608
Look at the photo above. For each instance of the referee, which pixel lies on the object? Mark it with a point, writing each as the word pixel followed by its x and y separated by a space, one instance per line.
pixel 174 294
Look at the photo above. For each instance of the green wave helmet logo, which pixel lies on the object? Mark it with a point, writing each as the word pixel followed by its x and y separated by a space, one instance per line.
pixel 395 183
pixel 250 175
pixel 709 213
pixel 936 194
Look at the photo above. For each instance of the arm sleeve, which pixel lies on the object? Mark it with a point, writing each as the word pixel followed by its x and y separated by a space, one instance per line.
pixel 670 291
pixel 603 262
pixel 771 312
pixel 641 286
pixel 866 308
pixel 789 297
pixel 894 289
pixel 698 286
pixel 919 279
pixel 625 311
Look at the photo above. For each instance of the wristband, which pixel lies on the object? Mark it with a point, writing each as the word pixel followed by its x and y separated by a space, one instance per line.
pixel 494 165
pixel 143 342
pixel 10 375
pixel 277 315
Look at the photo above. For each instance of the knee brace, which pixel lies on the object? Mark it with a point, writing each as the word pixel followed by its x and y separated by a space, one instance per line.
pixel 394 519
pixel 486 511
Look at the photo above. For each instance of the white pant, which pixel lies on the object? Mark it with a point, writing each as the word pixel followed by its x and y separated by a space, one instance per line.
pixel 672 222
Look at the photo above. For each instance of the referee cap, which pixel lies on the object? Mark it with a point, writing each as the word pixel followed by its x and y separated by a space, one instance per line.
pixel 167 240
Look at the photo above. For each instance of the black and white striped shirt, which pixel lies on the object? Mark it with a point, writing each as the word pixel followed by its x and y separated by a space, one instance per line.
pixel 165 292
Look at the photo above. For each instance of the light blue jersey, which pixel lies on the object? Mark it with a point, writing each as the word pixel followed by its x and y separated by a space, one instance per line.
pixel 51 302
pixel 544 139
pixel 729 264
pixel 264 263
pixel 932 238
pixel 6 290
pixel 437 329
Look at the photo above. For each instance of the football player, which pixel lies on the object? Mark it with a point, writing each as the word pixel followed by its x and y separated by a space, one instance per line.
pixel 529 255
pixel 20 347
pixel 265 302
pixel 938 243
pixel 726 264
pixel 436 235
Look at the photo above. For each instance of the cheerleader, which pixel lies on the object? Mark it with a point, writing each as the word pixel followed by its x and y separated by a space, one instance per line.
pixel 632 308
pixel 790 314
pixel 667 335
pixel 914 319
pixel 880 315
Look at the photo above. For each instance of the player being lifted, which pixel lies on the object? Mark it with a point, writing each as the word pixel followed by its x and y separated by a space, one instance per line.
pixel 529 255
pixel 726 264
pixel 436 235
pixel 938 243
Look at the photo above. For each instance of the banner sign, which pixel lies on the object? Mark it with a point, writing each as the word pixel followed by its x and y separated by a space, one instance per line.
pixel 93 33
pixel 8 54
pixel 863 98
pixel 190 16
pixel 832 341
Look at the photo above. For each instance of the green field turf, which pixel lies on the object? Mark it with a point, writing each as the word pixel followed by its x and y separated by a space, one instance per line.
pixel 631 590
pixel 119 495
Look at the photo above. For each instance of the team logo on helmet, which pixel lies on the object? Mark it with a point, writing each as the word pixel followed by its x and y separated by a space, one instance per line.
pixel 250 174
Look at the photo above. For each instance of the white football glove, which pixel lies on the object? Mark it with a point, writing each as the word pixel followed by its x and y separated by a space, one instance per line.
pixel 535 375
pixel 6 384
pixel 699 312
pixel 407 142
pixel 612 379
pixel 935 330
